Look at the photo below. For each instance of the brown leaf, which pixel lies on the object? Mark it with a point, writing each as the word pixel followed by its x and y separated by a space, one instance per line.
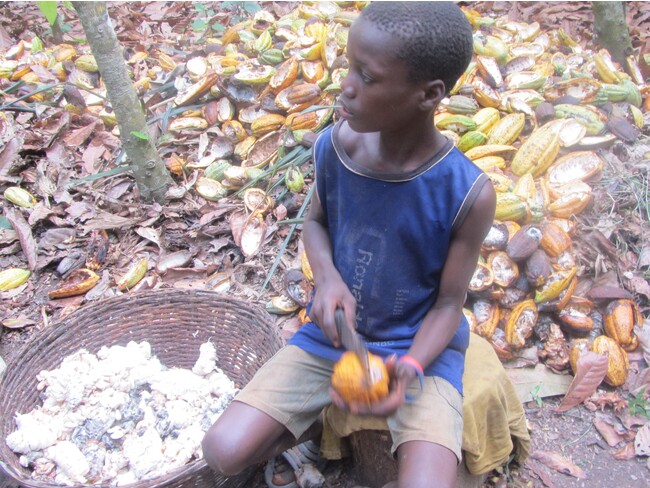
pixel 607 430
pixel 643 333
pixel 625 453
pixel 559 463
pixel 78 136
pixel 639 285
pixel 24 231
pixel 541 473
pixel 592 368
pixel 9 155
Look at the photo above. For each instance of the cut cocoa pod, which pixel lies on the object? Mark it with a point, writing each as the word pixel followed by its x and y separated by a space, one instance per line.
pixel 79 282
pixel 521 323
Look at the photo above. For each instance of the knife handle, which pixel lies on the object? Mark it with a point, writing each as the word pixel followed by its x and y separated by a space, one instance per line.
pixel 339 318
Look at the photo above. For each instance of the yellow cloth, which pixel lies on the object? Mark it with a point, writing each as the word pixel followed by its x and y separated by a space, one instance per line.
pixel 494 419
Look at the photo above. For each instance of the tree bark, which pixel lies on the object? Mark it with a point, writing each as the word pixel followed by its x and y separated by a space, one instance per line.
pixel 611 29
pixel 151 176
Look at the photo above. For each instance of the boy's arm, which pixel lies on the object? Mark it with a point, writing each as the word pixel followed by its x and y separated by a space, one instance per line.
pixel 331 291
pixel 441 322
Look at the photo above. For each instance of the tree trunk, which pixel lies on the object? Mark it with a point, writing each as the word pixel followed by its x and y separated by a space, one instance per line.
pixel 611 29
pixel 147 167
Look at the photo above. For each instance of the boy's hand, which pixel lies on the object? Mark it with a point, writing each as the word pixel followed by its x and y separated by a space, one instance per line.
pixel 332 294
pixel 401 376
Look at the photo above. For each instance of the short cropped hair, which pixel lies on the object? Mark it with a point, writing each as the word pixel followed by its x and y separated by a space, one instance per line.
pixel 436 37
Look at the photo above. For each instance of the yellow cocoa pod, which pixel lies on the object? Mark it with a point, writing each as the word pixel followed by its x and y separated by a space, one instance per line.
pixel 507 130
pixel 537 153
pixel 133 276
pixel 620 318
pixel 618 364
pixel 79 282
pixel 350 381
pixel 20 197
pixel 266 123
pixel 13 277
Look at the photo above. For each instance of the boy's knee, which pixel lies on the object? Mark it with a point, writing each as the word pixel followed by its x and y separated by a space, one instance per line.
pixel 221 455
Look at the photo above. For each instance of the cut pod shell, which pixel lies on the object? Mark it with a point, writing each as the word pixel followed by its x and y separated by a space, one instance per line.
pixel 78 282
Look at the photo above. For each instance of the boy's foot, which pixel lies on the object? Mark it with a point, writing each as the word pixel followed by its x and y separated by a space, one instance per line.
pixel 298 467
pixel 279 474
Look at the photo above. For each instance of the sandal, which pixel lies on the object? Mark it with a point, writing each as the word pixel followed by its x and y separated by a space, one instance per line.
pixel 306 463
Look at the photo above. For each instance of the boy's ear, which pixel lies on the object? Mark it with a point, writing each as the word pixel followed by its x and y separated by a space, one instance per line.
pixel 434 91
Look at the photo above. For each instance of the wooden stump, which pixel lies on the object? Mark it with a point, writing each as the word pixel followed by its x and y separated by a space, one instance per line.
pixel 374 465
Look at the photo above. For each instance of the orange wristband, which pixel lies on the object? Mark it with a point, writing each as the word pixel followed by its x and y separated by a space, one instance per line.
pixel 411 361
pixel 415 364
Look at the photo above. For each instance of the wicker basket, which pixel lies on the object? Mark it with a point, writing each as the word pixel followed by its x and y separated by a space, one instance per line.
pixel 175 323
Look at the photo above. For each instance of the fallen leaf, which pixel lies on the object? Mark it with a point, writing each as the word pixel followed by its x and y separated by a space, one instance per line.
pixel 625 453
pixel 559 463
pixel 18 322
pixel 643 333
pixel 642 441
pixel 607 430
pixel 106 220
pixel 24 231
pixel 78 136
pixel 537 469
pixel 591 370
pixel 639 285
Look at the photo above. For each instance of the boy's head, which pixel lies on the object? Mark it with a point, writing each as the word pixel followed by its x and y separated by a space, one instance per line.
pixel 435 37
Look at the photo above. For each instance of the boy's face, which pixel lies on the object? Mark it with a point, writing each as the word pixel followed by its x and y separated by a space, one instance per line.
pixel 377 94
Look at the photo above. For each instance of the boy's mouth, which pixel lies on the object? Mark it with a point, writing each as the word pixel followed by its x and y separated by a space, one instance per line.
pixel 343 110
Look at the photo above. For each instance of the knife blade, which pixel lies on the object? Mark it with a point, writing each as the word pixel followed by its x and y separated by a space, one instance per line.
pixel 351 340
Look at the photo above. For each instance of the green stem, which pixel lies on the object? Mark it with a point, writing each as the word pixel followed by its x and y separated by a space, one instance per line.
pixel 287 239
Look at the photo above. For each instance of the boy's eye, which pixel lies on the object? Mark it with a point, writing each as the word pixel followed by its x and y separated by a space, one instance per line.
pixel 365 78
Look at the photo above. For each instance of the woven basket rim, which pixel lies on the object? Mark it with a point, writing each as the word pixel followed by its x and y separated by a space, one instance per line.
pixel 256 324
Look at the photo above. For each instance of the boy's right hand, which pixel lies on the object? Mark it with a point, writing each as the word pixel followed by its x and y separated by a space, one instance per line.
pixel 330 295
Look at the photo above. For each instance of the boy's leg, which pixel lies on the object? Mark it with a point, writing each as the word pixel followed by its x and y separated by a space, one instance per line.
pixel 244 435
pixel 425 464
pixel 276 410
pixel 427 436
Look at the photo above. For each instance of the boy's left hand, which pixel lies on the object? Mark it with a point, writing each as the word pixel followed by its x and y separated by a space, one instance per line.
pixel 401 376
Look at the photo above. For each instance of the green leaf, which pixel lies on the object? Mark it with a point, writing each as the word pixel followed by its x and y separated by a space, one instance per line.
pixel 4 223
pixel 252 7
pixel 48 9
pixel 217 27
pixel 199 25
pixel 140 135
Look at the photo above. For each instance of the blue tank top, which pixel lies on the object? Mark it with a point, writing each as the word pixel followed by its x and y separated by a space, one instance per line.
pixel 390 237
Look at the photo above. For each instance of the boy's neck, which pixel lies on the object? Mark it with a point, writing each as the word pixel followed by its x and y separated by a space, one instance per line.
pixel 401 151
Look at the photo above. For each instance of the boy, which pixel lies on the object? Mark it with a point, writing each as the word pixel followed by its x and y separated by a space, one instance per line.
pixel 393 236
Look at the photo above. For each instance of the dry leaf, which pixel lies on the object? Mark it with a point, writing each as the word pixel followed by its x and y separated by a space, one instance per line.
pixel 607 430
pixel 24 231
pixel 559 463
pixel 642 441
pixel 541 473
pixel 78 136
pixel 625 453
pixel 643 333
pixel 592 368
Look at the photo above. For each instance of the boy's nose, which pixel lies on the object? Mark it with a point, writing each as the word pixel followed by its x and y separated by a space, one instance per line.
pixel 347 87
